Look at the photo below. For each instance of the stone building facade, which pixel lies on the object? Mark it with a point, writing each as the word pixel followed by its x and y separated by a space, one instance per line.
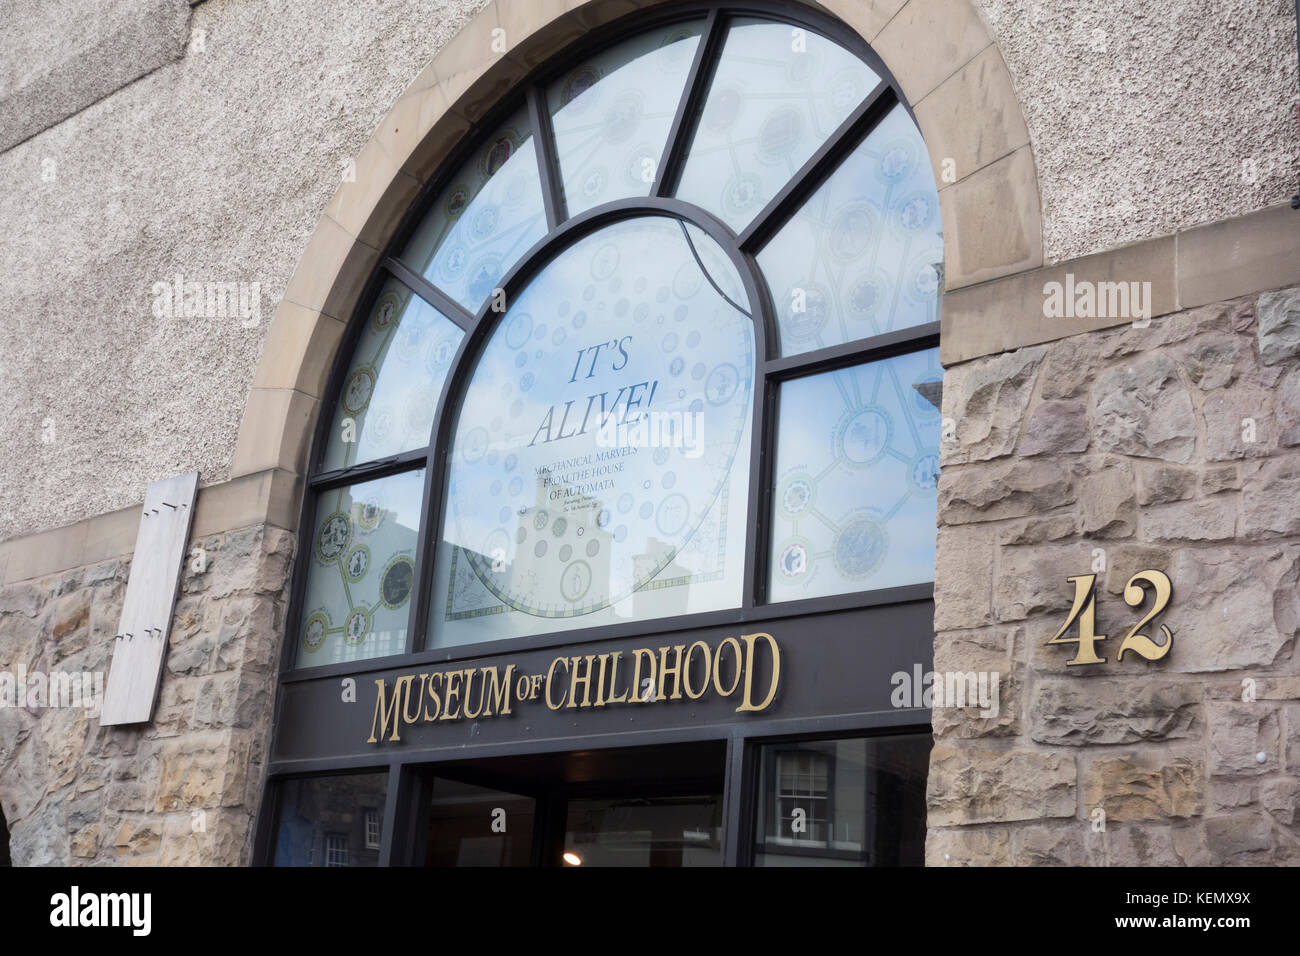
pixel 1066 149
pixel 182 789
pixel 1169 446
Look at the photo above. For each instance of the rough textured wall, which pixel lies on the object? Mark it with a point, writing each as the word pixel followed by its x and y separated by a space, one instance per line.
pixel 1174 447
pixel 61 57
pixel 1151 116
pixel 216 166
pixel 183 789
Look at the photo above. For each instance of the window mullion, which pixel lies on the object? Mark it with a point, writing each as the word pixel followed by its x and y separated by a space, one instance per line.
pixel 762 445
pixel 820 165
pixel 885 345
pixel 368 470
pixel 548 164
pixel 430 293
pixel 697 85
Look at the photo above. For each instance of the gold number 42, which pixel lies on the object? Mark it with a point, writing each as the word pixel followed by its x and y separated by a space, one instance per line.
pixel 1085 611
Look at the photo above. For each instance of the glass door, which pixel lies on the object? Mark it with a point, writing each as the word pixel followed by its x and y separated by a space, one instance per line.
pixel 644 806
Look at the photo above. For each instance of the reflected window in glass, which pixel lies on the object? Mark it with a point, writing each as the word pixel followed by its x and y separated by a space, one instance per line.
pixel 362 570
pixel 324 821
pixel 856 801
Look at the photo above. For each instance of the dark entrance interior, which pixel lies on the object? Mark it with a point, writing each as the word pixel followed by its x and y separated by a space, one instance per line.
pixel 641 806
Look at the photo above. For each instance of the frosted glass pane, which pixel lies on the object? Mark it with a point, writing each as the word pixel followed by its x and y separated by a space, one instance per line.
pixel 865 252
pixel 484 220
pixel 599 467
pixel 777 94
pixel 391 391
pixel 362 571
pixel 612 114
pixel 857 467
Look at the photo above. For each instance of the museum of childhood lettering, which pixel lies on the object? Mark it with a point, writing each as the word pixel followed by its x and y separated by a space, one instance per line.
pixel 726 669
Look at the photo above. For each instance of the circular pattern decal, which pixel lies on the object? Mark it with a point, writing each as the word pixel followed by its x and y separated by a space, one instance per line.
pixel 313 632
pixel 577 83
pixel 923 472
pixel 335 533
pixel 575 581
pixel 396 583
pixel 868 297
pixel 457 199
pixel 897 160
pixel 781 134
pixel 793 562
pixel 357 563
pixel 367 515
pixel 672 514
pixel 806 314
pixel 387 310
pixel 742 195
pixel 623 116
pixel 723 108
pixel 796 496
pixel 859 547
pixel 357 390
pixel 916 212
pixel 495 156
pixel 851 232
pixel 357 627
pixel 593 183
pixel 864 436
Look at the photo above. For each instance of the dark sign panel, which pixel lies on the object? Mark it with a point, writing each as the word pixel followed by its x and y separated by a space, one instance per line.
pixel 831 665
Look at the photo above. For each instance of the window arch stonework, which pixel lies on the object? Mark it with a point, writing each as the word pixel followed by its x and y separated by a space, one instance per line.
pixel 875 384
pixel 940 53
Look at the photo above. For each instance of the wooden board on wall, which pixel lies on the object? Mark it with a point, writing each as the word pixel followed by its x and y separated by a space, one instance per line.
pixel 145 627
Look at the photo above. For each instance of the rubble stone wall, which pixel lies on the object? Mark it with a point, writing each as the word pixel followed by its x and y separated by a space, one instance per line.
pixel 1171 444
pixel 183 789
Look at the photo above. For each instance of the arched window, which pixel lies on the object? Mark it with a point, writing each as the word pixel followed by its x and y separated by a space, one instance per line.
pixel 655 350
pixel 661 344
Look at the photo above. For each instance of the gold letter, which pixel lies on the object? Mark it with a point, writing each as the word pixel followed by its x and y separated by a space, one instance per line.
pixel 749 640
pixel 406 718
pixel 453 679
pixel 675 670
pixel 433 695
pixel 500 692
pixel 482 688
pixel 637 694
pixel 387 709
pixel 600 681
pixel 613 680
pixel 575 680
pixel 717 667
pixel 686 671
pixel 549 674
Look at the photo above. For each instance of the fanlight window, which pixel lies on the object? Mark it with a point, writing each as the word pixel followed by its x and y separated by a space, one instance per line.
pixel 662 343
